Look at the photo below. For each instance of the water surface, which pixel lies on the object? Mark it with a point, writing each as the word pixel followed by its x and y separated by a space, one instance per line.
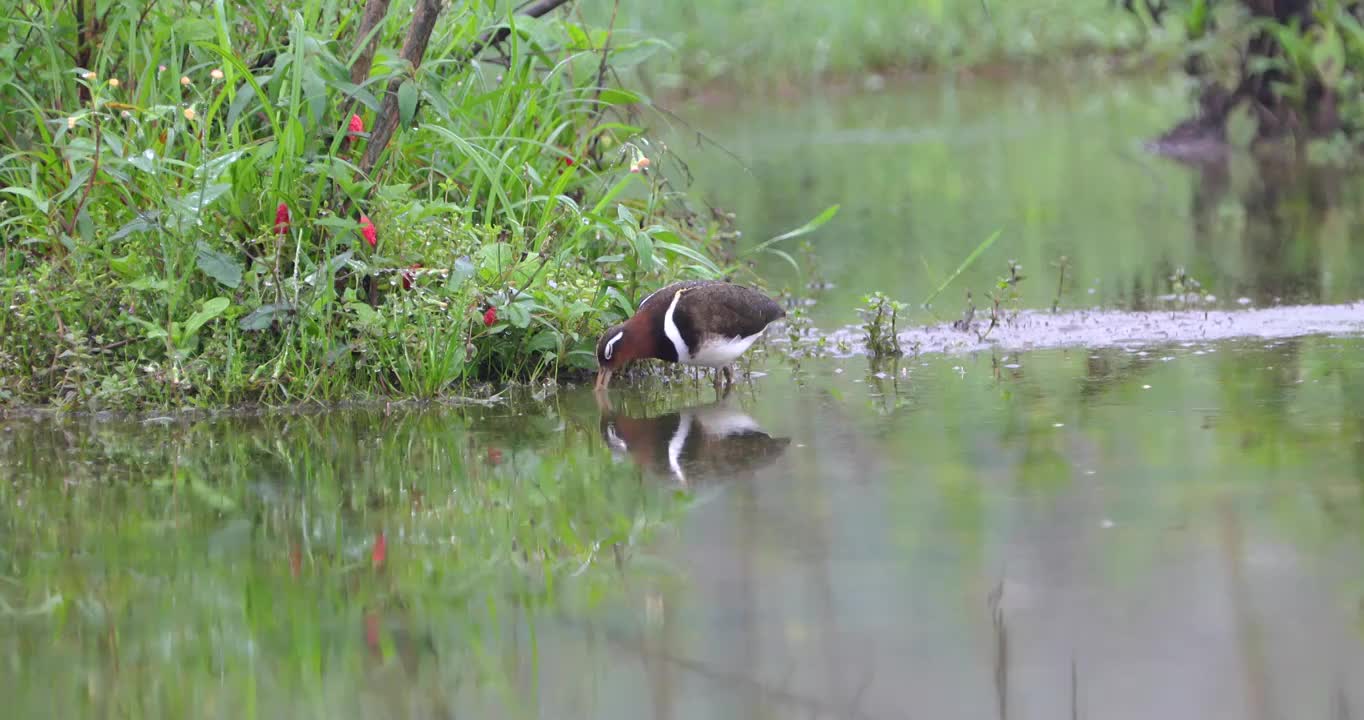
pixel 927 171
pixel 1150 531
pixel 1142 529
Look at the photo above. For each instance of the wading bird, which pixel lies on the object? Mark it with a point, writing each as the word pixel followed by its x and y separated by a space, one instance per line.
pixel 706 323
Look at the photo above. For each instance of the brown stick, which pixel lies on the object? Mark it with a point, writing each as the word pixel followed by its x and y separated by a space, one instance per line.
pixel 375 10
pixel 414 47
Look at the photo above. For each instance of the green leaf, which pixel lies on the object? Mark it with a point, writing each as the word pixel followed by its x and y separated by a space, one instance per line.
pixel 361 95
pixel 644 250
pixel 621 301
pixel 265 315
pixel 126 266
pixel 495 258
pixel 150 283
pixel 328 270
pixel 577 37
pixel 407 103
pixel 785 256
pixel 518 314
pixel 985 245
pixel 218 265
pixel 194 202
pixel 153 331
pixel 677 248
pixel 616 96
pixel 805 229
pixel 214 168
pixel 38 201
pixel 459 274
pixel 210 310
pixel 628 56
pixel 543 341
pixel 144 161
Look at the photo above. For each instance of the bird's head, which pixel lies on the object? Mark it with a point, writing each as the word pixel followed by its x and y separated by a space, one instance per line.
pixel 616 348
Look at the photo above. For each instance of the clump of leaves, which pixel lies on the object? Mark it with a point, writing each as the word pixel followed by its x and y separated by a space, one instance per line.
pixel 879 317
pixel 1185 288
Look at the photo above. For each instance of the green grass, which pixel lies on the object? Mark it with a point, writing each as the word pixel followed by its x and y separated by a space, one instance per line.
pixel 775 42
pixel 138 198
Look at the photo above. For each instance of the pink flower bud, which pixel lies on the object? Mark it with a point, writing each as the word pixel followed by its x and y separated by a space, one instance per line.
pixel 367 230
pixel 282 219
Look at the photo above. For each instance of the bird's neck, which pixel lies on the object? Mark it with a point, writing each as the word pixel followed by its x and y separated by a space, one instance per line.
pixel 647 337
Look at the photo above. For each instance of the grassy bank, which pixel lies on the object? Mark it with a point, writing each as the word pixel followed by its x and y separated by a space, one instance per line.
pixel 198 205
pixel 775 43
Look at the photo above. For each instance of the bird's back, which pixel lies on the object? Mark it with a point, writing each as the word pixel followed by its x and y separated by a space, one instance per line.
pixel 728 310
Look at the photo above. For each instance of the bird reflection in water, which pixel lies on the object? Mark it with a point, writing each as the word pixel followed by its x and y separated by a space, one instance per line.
pixel 715 442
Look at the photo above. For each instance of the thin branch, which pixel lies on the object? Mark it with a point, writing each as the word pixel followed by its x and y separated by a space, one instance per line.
pixel 536 9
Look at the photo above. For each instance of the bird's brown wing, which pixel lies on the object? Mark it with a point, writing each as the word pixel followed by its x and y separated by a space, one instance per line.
pixel 727 310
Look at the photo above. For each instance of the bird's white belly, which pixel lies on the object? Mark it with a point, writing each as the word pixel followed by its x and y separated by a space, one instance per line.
pixel 719 352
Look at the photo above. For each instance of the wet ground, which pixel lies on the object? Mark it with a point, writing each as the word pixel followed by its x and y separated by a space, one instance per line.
pixel 1038 329
pixel 1087 513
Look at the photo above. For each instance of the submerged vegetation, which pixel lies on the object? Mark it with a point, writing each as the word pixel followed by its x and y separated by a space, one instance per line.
pixel 269 202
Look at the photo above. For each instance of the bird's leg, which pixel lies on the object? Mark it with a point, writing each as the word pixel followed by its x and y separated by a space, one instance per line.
pixel 729 375
pixel 716 381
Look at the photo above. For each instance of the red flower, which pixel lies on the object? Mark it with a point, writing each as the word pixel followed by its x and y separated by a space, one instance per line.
pixel 489 317
pixel 282 219
pixel 568 161
pixel 380 551
pixel 356 127
pixel 367 230
pixel 409 277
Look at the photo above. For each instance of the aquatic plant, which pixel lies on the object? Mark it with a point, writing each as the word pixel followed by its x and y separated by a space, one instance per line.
pixel 879 322
pixel 1062 265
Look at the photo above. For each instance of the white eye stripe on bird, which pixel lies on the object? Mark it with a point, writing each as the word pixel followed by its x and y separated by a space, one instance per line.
pixel 609 343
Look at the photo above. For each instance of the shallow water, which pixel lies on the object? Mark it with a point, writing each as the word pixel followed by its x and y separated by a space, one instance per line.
pixel 1129 525
pixel 1150 531
pixel 925 173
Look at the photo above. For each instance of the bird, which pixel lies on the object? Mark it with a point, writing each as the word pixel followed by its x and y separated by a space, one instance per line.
pixel 706 323
pixel 694 444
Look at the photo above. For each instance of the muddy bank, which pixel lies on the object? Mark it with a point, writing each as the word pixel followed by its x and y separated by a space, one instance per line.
pixel 1031 329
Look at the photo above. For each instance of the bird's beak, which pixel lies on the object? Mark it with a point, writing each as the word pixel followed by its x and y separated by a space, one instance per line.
pixel 603 379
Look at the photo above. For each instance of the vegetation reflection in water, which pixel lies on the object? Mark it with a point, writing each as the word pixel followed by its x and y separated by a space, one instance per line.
pixel 296 565
pixel 949 534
